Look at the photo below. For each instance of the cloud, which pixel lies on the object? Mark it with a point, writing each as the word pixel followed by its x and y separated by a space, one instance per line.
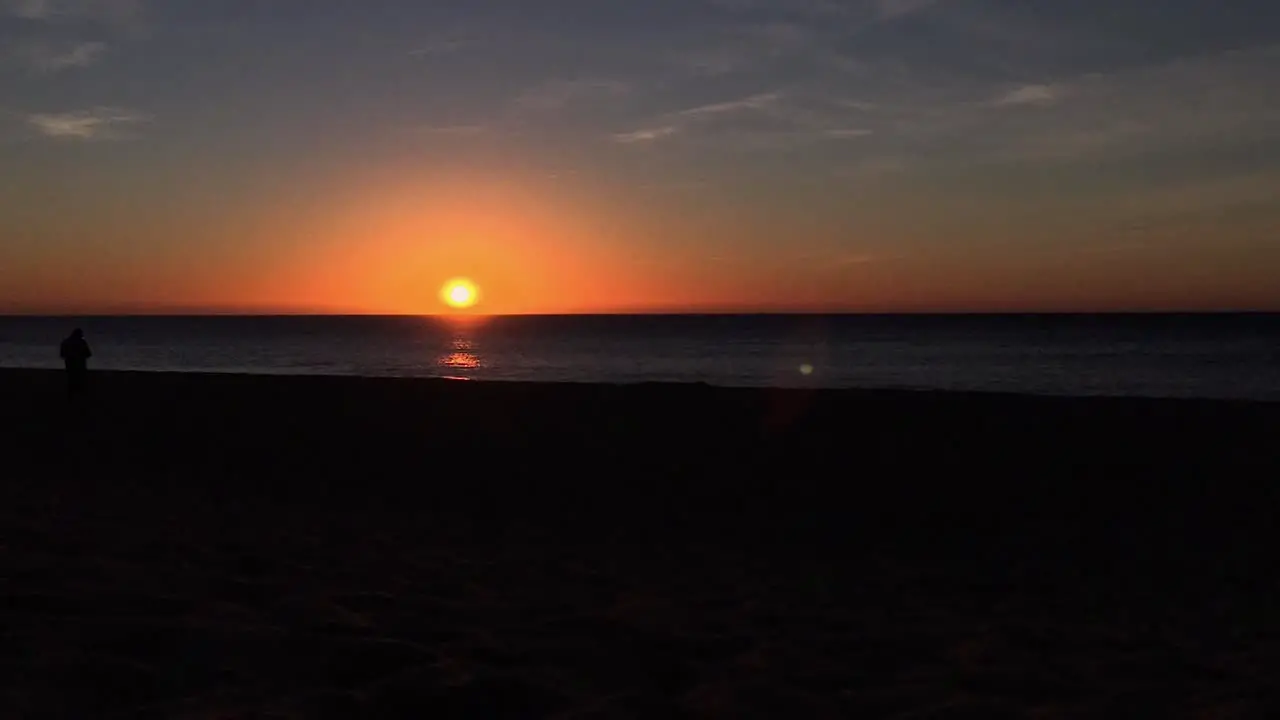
pixel 56 57
pixel 102 123
pixel 54 10
pixel 926 118
pixel 739 47
pixel 847 133
pixel 1037 95
pixel 646 134
pixel 812 37
pixel 1170 106
pixel 118 16
pixel 758 101
pixel 767 120
pixel 59 34
pixel 678 121
pixel 1188 105
pixel 438 47
pixel 31 9
pixel 559 93
pixel 787 117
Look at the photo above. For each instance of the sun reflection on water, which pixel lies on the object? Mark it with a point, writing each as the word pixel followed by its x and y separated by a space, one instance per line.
pixel 460 360
pixel 461 356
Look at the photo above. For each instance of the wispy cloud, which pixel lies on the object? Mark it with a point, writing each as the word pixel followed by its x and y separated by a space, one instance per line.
pixel 102 123
pixel 1176 106
pixel 924 119
pixel 1172 105
pixel 64 35
pixel 559 93
pixel 847 133
pixel 645 134
pixel 759 121
pixel 813 36
pixel 50 57
pixel 1036 95
pixel 758 101
pixel 741 47
pixel 678 121
pixel 438 47
pixel 31 9
pixel 111 11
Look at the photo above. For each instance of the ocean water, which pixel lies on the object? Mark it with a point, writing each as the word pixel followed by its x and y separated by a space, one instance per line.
pixel 1211 356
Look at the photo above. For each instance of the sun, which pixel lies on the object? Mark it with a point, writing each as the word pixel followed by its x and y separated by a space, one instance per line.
pixel 459 293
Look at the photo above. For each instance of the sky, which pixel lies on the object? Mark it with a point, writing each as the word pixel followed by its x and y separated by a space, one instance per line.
pixel 666 155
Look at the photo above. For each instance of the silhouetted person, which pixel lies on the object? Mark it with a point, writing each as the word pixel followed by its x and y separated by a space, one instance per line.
pixel 75 354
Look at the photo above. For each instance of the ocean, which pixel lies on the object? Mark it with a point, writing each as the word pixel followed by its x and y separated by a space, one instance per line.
pixel 1193 355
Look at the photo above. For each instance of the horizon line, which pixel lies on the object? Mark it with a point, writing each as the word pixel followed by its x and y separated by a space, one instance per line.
pixel 653 313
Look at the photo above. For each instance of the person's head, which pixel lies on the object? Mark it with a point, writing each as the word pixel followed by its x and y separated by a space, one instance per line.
pixel 77 333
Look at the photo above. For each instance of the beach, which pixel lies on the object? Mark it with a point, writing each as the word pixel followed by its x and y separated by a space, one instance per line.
pixel 240 546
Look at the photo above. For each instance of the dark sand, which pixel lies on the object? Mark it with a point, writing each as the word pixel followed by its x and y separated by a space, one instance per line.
pixel 189 546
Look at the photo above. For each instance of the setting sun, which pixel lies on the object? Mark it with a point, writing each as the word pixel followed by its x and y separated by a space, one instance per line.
pixel 459 293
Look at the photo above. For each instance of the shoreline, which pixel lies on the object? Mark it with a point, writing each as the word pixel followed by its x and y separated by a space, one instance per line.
pixel 671 385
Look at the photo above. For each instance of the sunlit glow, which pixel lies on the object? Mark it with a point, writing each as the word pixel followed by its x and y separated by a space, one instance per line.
pixel 806 369
pixel 459 294
pixel 460 361
pixel 461 357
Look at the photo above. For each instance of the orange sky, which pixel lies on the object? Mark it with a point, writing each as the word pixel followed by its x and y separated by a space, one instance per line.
pixel 768 156
pixel 384 242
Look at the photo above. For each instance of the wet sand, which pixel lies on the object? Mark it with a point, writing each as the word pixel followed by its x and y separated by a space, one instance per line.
pixel 196 546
